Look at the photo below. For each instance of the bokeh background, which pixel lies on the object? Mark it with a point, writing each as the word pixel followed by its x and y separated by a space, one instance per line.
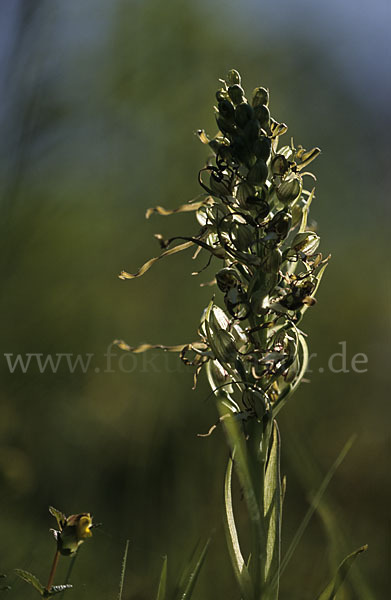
pixel 98 105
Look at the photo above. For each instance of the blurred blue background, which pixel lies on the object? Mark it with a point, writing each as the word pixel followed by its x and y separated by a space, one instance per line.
pixel 98 105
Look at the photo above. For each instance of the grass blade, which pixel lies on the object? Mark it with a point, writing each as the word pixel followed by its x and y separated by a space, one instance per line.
pixel 307 471
pixel 123 570
pixel 191 576
pixel 314 505
pixel 331 590
pixel 161 593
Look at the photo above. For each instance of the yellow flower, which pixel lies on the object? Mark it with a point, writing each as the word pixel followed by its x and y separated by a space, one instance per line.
pixel 73 530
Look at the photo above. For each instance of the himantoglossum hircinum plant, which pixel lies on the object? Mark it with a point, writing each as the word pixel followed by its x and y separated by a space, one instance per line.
pixel 253 218
pixel 71 533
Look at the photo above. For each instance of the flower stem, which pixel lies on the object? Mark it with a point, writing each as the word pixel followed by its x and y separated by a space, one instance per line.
pixel 53 570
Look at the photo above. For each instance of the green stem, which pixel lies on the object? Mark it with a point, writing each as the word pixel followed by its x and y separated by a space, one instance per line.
pixel 53 570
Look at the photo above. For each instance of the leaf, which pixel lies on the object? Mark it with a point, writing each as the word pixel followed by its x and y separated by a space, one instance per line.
pixel 146 266
pixel 59 516
pixel 31 579
pixel 331 590
pixel 190 576
pixel 272 513
pixel 238 564
pixel 248 481
pixel 123 570
pixel 161 593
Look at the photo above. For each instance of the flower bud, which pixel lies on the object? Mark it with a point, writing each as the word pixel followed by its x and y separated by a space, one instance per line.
pixel 252 130
pixel 262 147
pixel 241 151
pixel 221 341
pixel 305 242
pixel 220 184
pixel 73 532
pixel 221 95
pixel 226 279
pixel 225 126
pixel 242 236
pixel 280 224
pixel 258 173
pixel 260 97
pixel 262 113
pixel 233 77
pixel 243 113
pixel 243 192
pixel 271 260
pixel 236 93
pixel 290 189
pixel 226 109
pixel 280 165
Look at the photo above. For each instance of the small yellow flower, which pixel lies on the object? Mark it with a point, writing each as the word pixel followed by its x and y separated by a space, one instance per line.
pixel 73 530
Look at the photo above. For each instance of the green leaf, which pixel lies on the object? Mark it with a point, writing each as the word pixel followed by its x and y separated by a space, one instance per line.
pixel 31 579
pixel 190 576
pixel 161 593
pixel 272 513
pixel 238 564
pixel 123 570
pixel 58 515
pixel 331 590
pixel 250 480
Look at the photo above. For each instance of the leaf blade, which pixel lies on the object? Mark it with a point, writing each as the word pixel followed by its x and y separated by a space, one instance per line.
pixel 238 563
pixel 161 593
pixel 331 590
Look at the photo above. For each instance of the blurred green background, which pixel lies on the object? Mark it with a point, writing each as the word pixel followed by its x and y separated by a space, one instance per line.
pixel 99 102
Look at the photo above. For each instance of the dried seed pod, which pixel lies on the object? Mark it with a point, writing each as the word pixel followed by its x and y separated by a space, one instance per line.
pixel 258 173
pixel 236 93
